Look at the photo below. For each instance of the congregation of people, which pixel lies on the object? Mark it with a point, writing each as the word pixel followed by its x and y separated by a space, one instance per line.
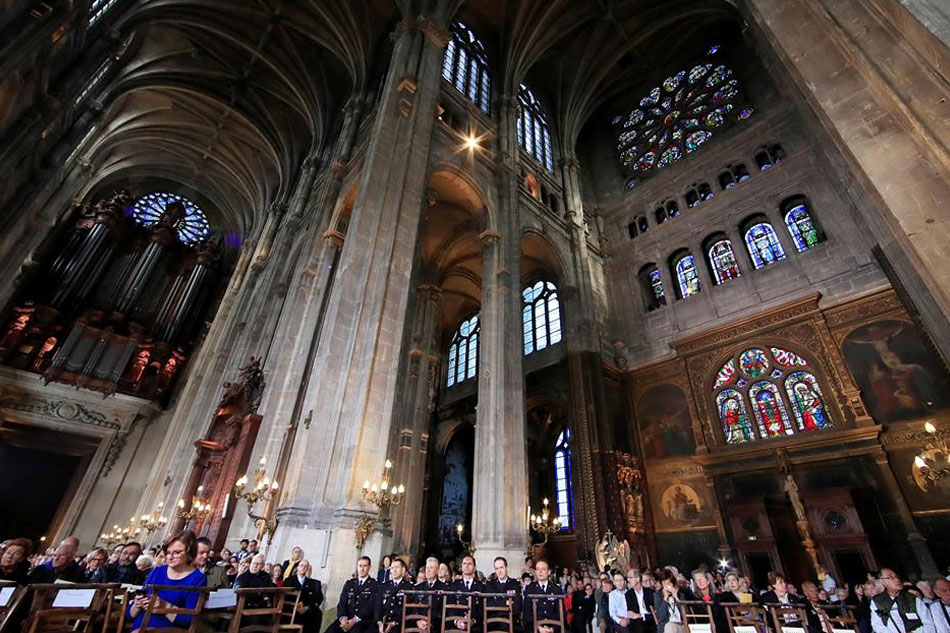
pixel 540 598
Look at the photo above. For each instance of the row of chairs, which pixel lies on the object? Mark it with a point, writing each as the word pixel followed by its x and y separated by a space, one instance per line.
pixel 698 617
pixel 102 608
pixel 457 606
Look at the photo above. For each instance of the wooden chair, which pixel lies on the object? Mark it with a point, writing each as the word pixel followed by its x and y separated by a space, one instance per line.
pixel 453 610
pixel 839 618
pixel 273 597
pixel 788 618
pixel 288 618
pixel 557 623
pixel 495 613
pixel 416 608
pixel 697 616
pixel 152 609
pixel 46 617
pixel 745 617
pixel 12 606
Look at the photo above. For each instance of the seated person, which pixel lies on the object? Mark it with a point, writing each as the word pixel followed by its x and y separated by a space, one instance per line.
pixel 94 560
pixel 63 566
pixel 311 596
pixel 181 551
pixel 14 565
pixel 124 569
pixel 254 578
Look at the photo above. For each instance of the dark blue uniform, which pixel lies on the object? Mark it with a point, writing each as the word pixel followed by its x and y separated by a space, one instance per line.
pixel 547 608
pixel 357 600
pixel 475 616
pixel 389 599
pixel 510 588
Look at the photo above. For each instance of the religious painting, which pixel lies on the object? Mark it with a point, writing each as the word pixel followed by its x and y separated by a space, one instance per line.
pixel 665 428
pixel 456 488
pixel 899 378
pixel 681 504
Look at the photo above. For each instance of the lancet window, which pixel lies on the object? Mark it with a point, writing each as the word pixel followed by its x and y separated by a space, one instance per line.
pixel 465 66
pixel 534 133
pixel 463 353
pixel 541 316
pixel 562 478
pixel 763 245
pixel 801 226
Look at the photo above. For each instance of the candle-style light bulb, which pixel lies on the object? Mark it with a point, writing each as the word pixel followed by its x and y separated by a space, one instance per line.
pixel 181 504
pixel 402 489
pixel 366 485
pixel 263 461
pixel 919 463
pixel 388 464
pixel 374 489
pixel 545 501
pixel 383 486
pixel 930 428
pixel 273 485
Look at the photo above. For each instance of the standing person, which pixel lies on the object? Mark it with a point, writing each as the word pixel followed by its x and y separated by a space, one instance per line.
pixel 535 602
pixel 940 609
pixel 180 553
pixel 357 603
pixel 504 584
pixel 289 566
pixel 389 598
pixel 431 583
pixel 215 575
pixel 897 611
pixel 311 596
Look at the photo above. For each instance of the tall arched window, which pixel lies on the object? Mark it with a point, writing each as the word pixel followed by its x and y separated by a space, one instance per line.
pixel 801 226
pixel 465 66
pixel 722 260
pixel 763 245
pixel 542 316
pixel 534 133
pixel 687 277
pixel 562 478
pixel 463 353
pixel 777 386
pixel 652 285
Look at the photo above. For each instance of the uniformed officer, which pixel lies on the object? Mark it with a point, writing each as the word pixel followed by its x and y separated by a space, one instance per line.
pixel 357 605
pixel 468 583
pixel 502 583
pixel 435 586
pixel 389 598
pixel 547 609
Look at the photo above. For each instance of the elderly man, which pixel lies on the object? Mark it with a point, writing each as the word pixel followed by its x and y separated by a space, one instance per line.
pixel 311 596
pixel 432 583
pixel 897 611
pixel 124 570
pixel 63 565
pixel 940 608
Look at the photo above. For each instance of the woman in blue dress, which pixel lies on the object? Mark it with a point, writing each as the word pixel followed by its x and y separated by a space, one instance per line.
pixel 180 553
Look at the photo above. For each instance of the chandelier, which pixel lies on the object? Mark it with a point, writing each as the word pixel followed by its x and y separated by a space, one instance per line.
pixel 544 524
pixel 932 464
pixel 199 508
pixel 263 490
pixel 383 495
pixel 153 521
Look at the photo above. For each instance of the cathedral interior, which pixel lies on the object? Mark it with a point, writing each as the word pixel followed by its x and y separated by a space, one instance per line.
pixel 419 276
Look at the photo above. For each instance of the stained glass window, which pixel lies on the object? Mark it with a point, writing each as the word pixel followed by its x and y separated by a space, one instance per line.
pixel 687 276
pixel 807 404
pixel 541 316
pixel 769 381
pixel 562 478
pixel 735 418
pixel 534 133
pixel 189 219
pixel 465 66
pixel 463 353
pixel 656 285
pixel 723 261
pixel 769 410
pixel 801 227
pixel 678 116
pixel 99 8
pixel 763 245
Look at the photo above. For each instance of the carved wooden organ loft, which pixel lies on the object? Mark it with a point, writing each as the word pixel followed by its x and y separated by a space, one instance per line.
pixel 114 305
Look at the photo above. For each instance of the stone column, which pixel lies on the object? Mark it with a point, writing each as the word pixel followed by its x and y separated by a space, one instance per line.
pixel 918 544
pixel 874 76
pixel 413 434
pixel 352 387
pixel 500 495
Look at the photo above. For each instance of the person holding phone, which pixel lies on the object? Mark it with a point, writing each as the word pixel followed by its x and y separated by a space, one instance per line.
pixel 180 552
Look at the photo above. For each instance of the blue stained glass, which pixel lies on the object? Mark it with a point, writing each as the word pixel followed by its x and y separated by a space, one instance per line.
pixel 724 264
pixel 697 72
pixel 635 118
pixel 616 119
pixel 630 183
pixel 669 156
pixel 745 113
pixel 718 76
pixel 713 50
pixel 672 83
pixel 463 352
pixel 541 316
pixel 807 403
pixel 562 479
pixel 628 136
pixel 734 417
pixel 687 276
pixel 763 245
pixel 802 228
pixel 192 226
pixel 769 410
pixel 651 98
pixel 646 161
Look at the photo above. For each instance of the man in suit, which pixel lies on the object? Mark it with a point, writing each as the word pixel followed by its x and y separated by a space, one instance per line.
pixel 536 600
pixel 311 596
pixel 502 583
pixel 124 570
pixel 62 566
pixel 432 584
pixel 639 599
pixel 214 575
pixel 357 604
pixel 389 598
pixel 468 583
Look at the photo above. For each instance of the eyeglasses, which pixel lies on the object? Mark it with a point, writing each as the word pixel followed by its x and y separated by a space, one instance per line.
pixel 889 578
pixel 175 553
